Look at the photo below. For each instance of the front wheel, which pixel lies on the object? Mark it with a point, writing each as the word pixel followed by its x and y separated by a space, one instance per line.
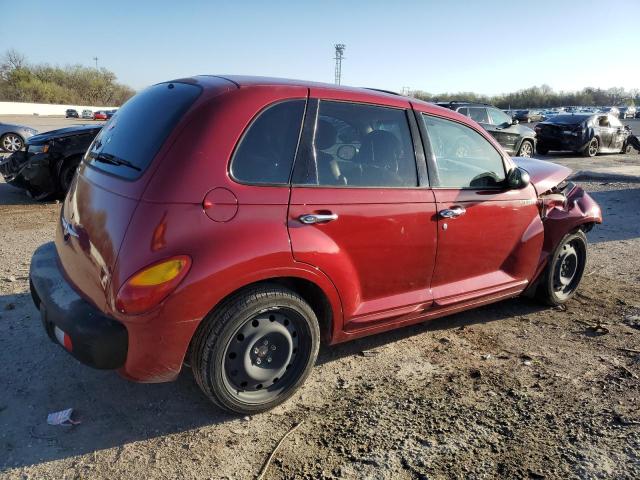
pixel 592 148
pixel 255 350
pixel 11 142
pixel 526 149
pixel 565 269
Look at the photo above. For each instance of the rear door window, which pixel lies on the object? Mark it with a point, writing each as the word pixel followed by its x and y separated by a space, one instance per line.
pixel 130 140
pixel 265 153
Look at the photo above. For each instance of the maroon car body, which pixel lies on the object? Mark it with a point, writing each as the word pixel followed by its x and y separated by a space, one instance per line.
pixel 389 260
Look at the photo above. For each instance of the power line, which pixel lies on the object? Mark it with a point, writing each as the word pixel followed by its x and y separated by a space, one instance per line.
pixel 338 58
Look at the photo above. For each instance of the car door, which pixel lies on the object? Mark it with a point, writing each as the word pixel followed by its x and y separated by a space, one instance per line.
pixel 364 214
pixel 489 237
pixel 605 131
pixel 503 130
pixel 618 134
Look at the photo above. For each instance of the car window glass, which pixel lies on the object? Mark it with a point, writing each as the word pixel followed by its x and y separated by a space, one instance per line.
pixel 361 146
pixel 464 111
pixel 479 114
pixel 497 117
pixel 128 142
pixel 463 158
pixel 267 149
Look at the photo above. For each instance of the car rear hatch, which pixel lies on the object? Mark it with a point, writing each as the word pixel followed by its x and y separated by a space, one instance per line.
pixel 111 179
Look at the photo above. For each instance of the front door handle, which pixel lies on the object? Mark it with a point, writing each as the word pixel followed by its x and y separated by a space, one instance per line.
pixel 452 212
pixel 311 218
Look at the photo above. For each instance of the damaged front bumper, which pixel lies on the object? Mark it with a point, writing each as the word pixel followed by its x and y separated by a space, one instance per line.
pixel 31 172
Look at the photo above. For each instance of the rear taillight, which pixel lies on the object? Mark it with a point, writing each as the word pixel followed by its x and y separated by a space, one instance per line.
pixel 151 285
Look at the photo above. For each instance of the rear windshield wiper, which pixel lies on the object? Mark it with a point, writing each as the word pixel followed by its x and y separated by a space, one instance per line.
pixel 113 160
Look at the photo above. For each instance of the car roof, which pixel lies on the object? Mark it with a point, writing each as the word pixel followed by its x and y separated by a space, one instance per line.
pixel 364 94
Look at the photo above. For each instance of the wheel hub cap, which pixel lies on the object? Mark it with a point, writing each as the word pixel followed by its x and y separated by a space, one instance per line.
pixel 261 353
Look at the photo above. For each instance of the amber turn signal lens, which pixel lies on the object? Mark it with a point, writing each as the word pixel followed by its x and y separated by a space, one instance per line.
pixel 151 285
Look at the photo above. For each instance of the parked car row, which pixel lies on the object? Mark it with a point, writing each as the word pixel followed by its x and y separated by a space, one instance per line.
pixel 89 114
pixel 374 212
pixel 540 115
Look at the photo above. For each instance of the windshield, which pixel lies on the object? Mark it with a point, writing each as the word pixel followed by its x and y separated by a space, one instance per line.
pixel 133 136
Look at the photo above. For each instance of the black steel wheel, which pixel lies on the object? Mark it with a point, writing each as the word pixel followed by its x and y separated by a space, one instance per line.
pixel 564 271
pixel 592 148
pixel 255 350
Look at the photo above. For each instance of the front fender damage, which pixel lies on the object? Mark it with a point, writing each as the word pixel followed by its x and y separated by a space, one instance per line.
pixel 564 209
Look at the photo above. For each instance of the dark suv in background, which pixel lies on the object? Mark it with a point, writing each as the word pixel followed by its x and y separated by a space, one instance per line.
pixel 516 139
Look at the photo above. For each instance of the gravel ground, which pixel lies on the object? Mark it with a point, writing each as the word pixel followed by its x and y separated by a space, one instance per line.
pixel 512 390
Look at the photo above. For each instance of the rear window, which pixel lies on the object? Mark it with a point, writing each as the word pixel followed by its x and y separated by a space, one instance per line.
pixel 133 136
pixel 568 119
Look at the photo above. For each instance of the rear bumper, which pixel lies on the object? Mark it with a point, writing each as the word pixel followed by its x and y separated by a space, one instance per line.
pixel 92 337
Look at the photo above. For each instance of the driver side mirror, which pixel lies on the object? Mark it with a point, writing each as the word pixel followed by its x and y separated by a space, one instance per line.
pixel 518 178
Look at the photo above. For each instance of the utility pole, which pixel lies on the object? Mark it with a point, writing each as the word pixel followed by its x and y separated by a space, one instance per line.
pixel 338 58
pixel 95 59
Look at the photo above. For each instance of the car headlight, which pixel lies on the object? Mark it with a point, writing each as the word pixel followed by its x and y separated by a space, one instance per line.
pixel 44 148
pixel 31 131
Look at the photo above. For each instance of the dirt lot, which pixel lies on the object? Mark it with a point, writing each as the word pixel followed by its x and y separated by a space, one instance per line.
pixel 513 390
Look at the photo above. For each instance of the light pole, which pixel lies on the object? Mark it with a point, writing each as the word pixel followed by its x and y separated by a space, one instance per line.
pixel 338 58
pixel 95 59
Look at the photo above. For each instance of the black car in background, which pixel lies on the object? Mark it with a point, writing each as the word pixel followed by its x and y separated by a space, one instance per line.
pixel 47 166
pixel 71 113
pixel 588 134
pixel 528 116
pixel 517 140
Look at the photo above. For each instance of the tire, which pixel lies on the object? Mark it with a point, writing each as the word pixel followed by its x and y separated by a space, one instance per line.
pixel 526 149
pixel 541 149
pixel 11 142
pixel 66 175
pixel 563 274
pixel 591 150
pixel 256 349
pixel 626 150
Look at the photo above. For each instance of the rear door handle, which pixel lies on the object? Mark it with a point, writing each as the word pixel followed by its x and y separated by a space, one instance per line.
pixel 311 218
pixel 452 212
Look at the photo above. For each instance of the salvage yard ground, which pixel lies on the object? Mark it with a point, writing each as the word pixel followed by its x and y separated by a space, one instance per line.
pixel 512 390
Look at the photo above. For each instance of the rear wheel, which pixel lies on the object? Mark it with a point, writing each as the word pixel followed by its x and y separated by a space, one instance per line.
pixel 526 149
pixel 564 271
pixel 255 350
pixel 591 150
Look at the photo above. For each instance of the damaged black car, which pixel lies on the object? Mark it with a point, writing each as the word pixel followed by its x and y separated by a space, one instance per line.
pixel 48 164
pixel 588 134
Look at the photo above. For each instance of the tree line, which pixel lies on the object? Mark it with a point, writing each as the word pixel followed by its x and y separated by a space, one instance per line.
pixel 21 81
pixel 542 97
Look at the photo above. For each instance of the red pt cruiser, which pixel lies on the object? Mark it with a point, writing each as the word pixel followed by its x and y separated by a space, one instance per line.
pixel 234 222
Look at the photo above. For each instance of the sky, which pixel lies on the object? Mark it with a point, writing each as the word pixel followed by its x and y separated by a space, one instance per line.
pixel 486 46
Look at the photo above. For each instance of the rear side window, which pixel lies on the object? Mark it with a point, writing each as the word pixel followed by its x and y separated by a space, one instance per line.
pixel 462 157
pixel 266 151
pixel 128 142
pixel 358 145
